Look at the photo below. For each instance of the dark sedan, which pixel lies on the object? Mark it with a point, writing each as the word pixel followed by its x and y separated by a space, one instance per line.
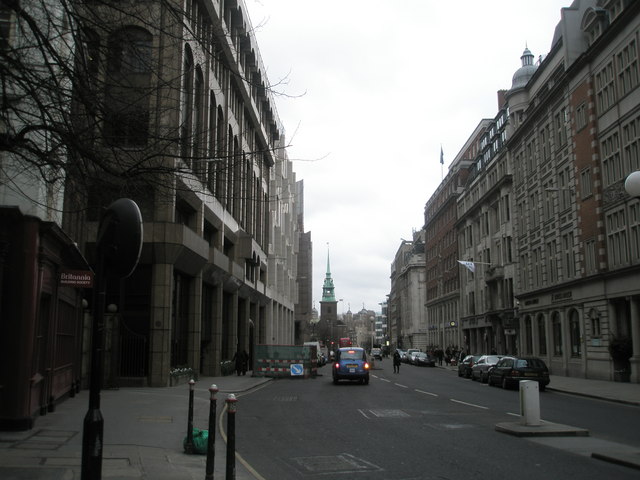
pixel 510 370
pixel 422 359
pixel 465 366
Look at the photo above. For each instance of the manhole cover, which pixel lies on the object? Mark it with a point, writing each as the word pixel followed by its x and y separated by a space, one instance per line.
pixel 343 463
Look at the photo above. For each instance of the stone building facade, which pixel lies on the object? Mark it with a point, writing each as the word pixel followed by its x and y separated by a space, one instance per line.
pixel 550 237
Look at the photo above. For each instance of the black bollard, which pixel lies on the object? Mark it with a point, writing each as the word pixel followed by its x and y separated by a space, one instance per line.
pixel 188 448
pixel 211 444
pixel 231 437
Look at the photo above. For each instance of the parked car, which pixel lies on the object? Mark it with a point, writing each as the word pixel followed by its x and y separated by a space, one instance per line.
pixel 351 364
pixel 376 353
pixel 424 359
pixel 480 370
pixel 465 366
pixel 406 358
pixel 511 369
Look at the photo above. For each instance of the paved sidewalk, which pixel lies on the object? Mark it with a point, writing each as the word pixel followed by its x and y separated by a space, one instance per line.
pixel 143 433
pixel 144 429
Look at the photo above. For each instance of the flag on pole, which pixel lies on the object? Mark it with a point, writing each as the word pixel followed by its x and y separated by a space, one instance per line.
pixel 470 265
pixel 441 156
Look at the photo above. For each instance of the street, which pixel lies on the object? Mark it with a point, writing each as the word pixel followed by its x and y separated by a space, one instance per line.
pixel 420 424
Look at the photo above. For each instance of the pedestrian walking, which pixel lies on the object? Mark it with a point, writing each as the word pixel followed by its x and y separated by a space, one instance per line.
pixel 396 362
pixel 240 358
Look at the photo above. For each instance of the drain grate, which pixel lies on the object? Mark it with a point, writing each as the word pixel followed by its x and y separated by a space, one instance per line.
pixel 343 463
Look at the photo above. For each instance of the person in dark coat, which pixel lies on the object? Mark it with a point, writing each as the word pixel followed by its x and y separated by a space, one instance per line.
pixel 396 362
pixel 240 359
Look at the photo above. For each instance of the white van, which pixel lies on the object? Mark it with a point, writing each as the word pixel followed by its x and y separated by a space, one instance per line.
pixel 321 360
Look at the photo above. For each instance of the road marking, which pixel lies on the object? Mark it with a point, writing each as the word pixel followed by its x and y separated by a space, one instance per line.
pixel 363 414
pixel 513 414
pixel 426 393
pixel 400 385
pixel 385 380
pixel 469 404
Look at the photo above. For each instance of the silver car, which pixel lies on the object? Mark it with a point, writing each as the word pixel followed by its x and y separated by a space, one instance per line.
pixel 480 370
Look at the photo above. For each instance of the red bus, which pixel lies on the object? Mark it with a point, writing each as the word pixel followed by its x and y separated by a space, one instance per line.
pixel 345 342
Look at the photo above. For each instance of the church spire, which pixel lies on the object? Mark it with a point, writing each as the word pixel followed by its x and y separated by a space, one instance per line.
pixel 328 294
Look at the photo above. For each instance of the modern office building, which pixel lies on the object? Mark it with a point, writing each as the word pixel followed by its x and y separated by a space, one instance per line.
pixel 169 106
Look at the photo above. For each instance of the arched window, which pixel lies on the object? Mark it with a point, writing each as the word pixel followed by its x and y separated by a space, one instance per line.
pixel 85 95
pixel 211 151
pixel 198 130
pixel 219 164
pixel 557 334
pixel 528 336
pixel 129 64
pixel 574 332
pixel 187 106
pixel 542 336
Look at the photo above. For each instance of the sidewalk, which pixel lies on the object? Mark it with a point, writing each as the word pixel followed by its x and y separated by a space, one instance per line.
pixel 143 433
pixel 144 429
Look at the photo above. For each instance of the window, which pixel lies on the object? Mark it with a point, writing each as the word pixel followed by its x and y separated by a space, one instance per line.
pixel 569 269
pixel 537 267
pixel 557 335
pixel 594 316
pixel 128 78
pixel 574 332
pixel 552 266
pixel 533 210
pixel 630 143
pixel 5 27
pixel 560 126
pixel 634 231
pixel 590 256
pixel 617 239
pixel 627 63
pixel 605 90
pixel 187 106
pixel 585 183
pixel 611 162
pixel 542 336
pixel 528 336
pixel 581 117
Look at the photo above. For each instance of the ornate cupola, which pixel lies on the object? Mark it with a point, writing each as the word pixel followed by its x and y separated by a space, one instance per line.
pixel 525 72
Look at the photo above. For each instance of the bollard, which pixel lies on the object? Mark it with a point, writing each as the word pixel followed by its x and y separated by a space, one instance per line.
pixel 211 444
pixel 189 445
pixel 231 437
pixel 530 403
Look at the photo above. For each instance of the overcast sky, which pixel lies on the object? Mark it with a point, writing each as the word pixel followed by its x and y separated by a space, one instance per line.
pixel 371 91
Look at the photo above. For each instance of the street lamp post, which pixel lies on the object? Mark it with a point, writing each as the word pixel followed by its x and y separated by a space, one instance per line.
pixel 118 247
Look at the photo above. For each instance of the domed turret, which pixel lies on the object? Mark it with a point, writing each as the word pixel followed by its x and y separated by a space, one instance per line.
pixel 525 72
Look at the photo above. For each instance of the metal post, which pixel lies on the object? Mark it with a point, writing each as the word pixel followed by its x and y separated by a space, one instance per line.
pixel 93 427
pixel 231 437
pixel 211 444
pixel 189 445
